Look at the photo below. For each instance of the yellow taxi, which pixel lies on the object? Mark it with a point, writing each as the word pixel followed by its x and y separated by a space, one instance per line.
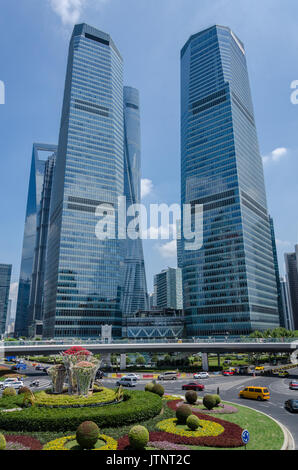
pixel 255 393
pixel 259 368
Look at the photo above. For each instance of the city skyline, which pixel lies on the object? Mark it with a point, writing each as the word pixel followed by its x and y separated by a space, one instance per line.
pixel 272 158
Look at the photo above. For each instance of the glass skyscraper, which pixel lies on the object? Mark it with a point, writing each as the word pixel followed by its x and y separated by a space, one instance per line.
pixel 291 262
pixel 5 277
pixel 135 296
pixel 40 155
pixel 84 275
pixel 229 284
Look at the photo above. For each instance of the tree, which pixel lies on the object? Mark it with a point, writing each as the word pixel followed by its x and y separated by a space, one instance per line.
pixel 140 360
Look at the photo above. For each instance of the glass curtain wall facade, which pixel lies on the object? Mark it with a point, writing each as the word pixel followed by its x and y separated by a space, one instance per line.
pixel 38 163
pixel 229 285
pixel 291 262
pixel 135 296
pixel 277 276
pixel 84 275
pixel 5 277
pixel 37 285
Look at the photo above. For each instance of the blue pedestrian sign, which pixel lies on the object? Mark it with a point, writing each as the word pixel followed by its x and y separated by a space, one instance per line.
pixel 245 436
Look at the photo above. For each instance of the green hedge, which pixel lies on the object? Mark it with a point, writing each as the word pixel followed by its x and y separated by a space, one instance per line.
pixel 137 406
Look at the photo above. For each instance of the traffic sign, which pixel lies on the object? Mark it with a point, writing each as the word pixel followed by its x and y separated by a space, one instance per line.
pixel 245 436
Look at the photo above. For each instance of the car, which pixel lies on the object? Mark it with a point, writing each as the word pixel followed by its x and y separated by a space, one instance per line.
pixel 126 382
pixel 201 375
pixel 99 374
pixel 292 405
pixel 16 384
pixel 193 386
pixel 7 381
pixel 133 375
pixel 283 373
pixel 168 376
pixel 39 367
pixel 259 368
pixel 227 372
pixel 255 393
pixel 293 385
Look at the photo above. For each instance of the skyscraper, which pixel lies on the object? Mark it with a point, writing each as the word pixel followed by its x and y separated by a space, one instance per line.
pixel 277 276
pixel 286 302
pixel 5 276
pixel 40 155
pixel 229 284
pixel 84 274
pixel 291 261
pixel 168 288
pixel 36 298
pixel 135 295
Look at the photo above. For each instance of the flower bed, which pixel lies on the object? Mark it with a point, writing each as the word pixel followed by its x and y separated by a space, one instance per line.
pixel 207 428
pixel 61 444
pixel 221 409
pixel 105 397
pixel 22 442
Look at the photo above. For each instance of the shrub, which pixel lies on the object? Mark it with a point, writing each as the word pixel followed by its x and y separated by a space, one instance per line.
pixel 2 442
pixel 209 401
pixel 138 437
pixel 191 396
pixel 149 387
pixel 193 422
pixel 24 390
pixel 9 392
pixel 182 413
pixel 87 434
pixel 136 407
pixel 158 389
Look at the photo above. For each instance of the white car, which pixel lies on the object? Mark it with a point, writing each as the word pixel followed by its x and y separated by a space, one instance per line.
pixel 127 382
pixel 201 375
pixel 16 384
pixel 134 376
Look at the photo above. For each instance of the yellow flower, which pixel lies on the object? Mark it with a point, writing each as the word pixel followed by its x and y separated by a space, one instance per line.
pixel 208 428
pixel 59 444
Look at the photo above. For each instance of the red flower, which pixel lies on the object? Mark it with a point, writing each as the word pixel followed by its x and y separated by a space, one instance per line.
pixel 77 350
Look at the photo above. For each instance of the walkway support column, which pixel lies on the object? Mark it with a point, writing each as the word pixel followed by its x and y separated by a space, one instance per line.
pixel 205 365
pixel 122 361
pixel 218 360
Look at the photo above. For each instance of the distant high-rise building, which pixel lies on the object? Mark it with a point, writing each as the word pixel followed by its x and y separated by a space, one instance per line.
pixel 229 284
pixel 168 289
pixel 291 261
pixel 135 295
pixel 286 302
pixel 36 298
pixel 40 155
pixel 277 276
pixel 84 272
pixel 5 277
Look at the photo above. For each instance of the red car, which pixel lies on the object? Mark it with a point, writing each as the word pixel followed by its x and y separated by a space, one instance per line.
pixel 193 386
pixel 227 372
pixel 293 385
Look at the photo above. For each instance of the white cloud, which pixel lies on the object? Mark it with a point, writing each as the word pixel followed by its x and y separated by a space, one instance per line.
pixel 69 10
pixel 163 232
pixel 168 250
pixel 276 155
pixel 146 187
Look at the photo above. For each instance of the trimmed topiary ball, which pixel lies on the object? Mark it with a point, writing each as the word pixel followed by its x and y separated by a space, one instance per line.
pixel 87 434
pixel 2 442
pixel 182 413
pixel 149 387
pixel 24 390
pixel 9 392
pixel 209 401
pixel 217 399
pixel 191 397
pixel 193 422
pixel 158 389
pixel 138 437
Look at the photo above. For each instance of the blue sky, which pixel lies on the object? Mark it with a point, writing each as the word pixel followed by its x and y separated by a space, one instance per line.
pixel 34 36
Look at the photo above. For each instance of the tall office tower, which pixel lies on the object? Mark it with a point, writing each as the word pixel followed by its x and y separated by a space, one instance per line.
pixel 9 320
pixel 168 289
pixel 5 277
pixel 135 296
pixel 36 297
pixel 40 155
pixel 229 284
pixel 84 270
pixel 291 261
pixel 277 276
pixel 286 302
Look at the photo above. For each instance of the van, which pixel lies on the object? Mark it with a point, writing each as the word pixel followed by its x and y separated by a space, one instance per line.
pixel 127 382
pixel 255 393
pixel 168 376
